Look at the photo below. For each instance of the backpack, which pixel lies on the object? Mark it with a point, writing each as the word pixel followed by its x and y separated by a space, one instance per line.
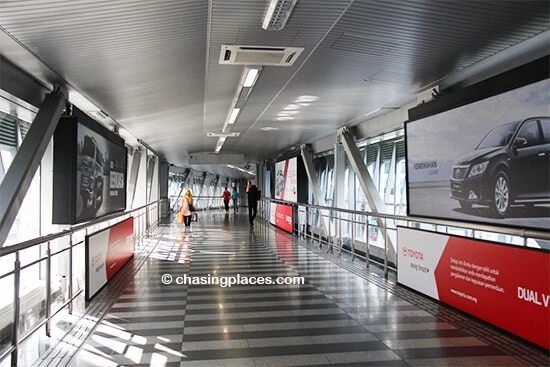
pixel 259 196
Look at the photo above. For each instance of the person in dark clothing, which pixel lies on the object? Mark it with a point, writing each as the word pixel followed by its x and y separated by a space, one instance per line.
pixel 253 197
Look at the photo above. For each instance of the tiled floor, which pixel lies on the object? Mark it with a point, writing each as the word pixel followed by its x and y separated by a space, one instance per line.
pixel 340 316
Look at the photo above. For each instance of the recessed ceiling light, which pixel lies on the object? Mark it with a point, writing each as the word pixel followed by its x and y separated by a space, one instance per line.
pixel 269 128
pixel 306 98
pixel 291 107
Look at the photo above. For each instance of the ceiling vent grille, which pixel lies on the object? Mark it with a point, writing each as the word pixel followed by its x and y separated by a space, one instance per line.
pixel 259 55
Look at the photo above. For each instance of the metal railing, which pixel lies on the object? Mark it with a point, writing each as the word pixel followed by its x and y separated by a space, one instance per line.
pixel 202 202
pixel 372 237
pixel 53 289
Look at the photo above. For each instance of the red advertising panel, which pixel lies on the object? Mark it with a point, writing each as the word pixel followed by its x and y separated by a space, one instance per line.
pixel 506 286
pixel 281 216
pixel 106 252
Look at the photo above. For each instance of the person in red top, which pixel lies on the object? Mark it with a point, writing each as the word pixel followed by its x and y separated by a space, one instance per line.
pixel 226 198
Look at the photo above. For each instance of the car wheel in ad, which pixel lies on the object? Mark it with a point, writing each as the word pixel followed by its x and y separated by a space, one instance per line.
pixel 501 195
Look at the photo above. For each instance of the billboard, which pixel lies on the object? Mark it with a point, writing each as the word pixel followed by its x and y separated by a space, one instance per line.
pixel 90 166
pixel 280 215
pixel 486 161
pixel 286 180
pixel 503 285
pixel 106 252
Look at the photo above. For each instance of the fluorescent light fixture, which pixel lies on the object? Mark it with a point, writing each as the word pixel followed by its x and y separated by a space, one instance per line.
pixel 251 76
pixel 219 144
pixel 241 169
pixel 373 112
pixel 277 14
pixel 82 102
pixel 233 116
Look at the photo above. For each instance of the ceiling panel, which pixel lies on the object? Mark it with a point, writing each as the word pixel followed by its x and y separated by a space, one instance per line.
pixel 153 67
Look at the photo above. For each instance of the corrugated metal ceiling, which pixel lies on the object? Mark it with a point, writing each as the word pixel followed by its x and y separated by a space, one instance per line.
pixel 153 65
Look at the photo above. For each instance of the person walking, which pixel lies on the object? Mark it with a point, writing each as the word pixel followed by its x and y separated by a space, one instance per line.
pixel 253 195
pixel 226 197
pixel 187 208
pixel 235 197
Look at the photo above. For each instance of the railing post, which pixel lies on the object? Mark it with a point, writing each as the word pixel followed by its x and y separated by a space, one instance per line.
pixel 48 289
pixel 352 237
pixel 329 234
pixel 71 273
pixel 340 245
pixel 321 228
pixel 385 248
pixel 16 306
pixel 367 255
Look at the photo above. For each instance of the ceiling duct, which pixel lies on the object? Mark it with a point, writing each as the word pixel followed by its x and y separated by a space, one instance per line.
pixel 259 55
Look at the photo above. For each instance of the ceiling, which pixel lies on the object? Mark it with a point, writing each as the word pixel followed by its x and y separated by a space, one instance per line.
pixel 153 66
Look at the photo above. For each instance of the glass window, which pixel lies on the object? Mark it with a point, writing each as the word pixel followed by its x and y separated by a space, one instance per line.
pixel 545 125
pixel 530 132
pixel 27 222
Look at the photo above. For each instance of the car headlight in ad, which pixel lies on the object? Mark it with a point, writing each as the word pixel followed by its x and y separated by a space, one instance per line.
pixel 478 169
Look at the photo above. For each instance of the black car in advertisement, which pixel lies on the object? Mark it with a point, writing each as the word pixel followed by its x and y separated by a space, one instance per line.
pixel 510 166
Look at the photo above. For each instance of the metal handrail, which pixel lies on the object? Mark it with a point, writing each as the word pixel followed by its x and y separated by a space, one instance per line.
pixel 49 237
pixel 520 232
pixel 143 214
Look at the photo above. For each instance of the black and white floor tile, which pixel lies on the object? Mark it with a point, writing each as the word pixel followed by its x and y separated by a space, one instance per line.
pixel 336 318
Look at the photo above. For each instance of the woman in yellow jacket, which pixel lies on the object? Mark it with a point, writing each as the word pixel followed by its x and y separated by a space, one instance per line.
pixel 186 206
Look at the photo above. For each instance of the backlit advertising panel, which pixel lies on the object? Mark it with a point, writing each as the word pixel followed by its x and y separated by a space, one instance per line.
pixel 89 171
pixel 286 180
pixel 503 285
pixel 486 161
pixel 281 216
pixel 106 253
pixel 101 175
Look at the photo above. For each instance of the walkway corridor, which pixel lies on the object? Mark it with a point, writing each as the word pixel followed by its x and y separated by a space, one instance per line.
pixel 336 318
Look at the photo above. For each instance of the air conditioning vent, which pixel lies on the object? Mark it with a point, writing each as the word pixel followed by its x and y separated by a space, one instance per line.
pixel 259 55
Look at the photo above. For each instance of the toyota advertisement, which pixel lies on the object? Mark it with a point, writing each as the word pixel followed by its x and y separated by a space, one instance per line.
pixel 280 215
pixel 506 286
pixel 106 252
pixel 487 161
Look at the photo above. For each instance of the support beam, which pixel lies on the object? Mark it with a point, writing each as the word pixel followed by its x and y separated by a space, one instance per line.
pixel 307 157
pixel 338 176
pixel 367 184
pixel 21 172
pixel 151 162
pixel 132 181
